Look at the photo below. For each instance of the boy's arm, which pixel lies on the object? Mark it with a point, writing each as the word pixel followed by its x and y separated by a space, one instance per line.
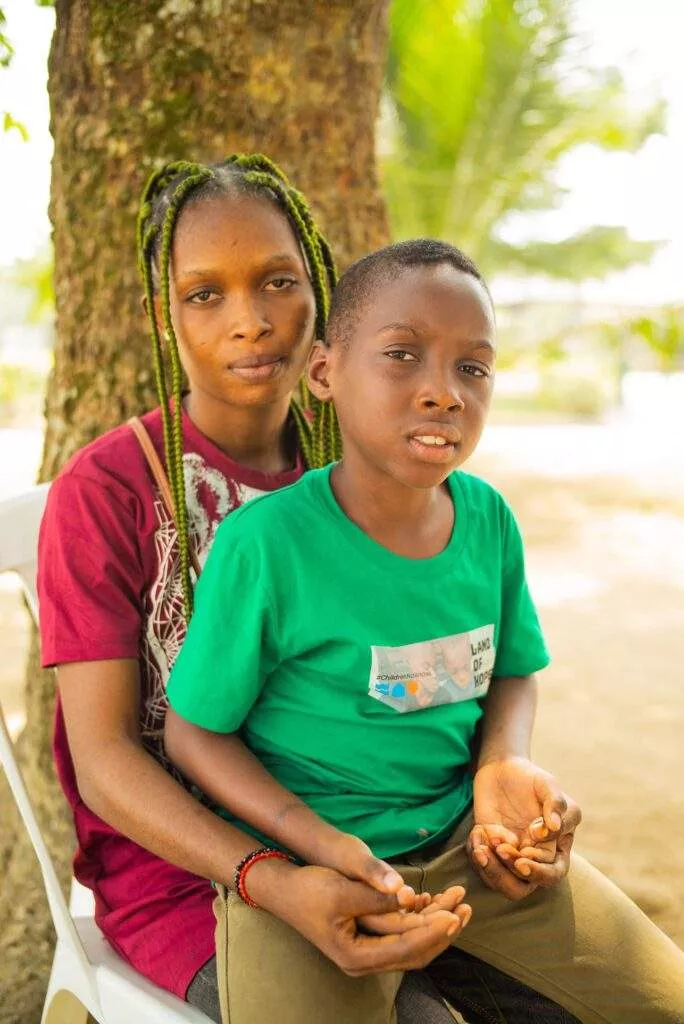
pixel 509 713
pixel 511 792
pixel 229 773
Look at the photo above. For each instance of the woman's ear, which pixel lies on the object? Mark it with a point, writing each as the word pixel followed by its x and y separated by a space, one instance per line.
pixel 318 371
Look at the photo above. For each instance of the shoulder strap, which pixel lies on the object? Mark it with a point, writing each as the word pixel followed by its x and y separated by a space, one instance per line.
pixel 157 470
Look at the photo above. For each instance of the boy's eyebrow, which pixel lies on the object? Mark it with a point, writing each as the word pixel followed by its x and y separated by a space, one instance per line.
pixel 400 326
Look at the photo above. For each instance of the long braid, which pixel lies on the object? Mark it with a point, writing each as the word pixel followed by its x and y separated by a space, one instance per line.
pixel 163 198
pixel 197 176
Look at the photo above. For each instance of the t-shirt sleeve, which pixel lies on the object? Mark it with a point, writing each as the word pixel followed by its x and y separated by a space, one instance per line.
pixel 230 646
pixel 89 574
pixel 521 649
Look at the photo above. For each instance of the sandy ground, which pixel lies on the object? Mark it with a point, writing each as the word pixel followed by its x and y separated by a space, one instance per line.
pixel 602 509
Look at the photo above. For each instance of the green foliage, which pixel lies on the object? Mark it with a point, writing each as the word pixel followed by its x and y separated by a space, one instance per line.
pixel 8 122
pixel 6 48
pixel 663 333
pixel 36 277
pixel 6 55
pixel 18 383
pixel 486 96
pixel 590 253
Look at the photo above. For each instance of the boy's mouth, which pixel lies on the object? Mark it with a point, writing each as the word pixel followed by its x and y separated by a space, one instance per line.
pixel 436 445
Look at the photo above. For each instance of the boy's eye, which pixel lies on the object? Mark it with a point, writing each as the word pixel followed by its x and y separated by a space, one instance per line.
pixel 279 284
pixel 474 370
pixel 400 355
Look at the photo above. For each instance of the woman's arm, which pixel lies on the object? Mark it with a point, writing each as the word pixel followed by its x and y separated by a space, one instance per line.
pixel 124 785
pixel 127 788
pixel 228 772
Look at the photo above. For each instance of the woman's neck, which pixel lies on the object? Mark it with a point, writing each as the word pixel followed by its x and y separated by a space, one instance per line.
pixel 410 521
pixel 256 436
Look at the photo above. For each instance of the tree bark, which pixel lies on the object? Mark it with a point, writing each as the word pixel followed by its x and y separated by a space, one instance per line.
pixel 133 84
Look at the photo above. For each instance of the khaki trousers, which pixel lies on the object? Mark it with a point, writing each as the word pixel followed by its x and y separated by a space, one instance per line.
pixel 583 944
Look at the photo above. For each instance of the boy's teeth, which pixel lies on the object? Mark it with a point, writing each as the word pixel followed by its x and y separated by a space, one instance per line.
pixel 431 439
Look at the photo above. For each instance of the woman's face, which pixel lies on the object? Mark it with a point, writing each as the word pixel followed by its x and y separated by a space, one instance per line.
pixel 242 304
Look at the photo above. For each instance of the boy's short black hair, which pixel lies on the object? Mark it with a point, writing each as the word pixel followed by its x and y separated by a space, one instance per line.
pixel 364 277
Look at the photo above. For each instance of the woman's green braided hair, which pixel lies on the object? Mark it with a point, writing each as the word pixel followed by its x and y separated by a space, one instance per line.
pixel 165 195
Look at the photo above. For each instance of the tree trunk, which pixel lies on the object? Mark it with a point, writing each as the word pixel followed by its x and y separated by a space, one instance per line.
pixel 133 84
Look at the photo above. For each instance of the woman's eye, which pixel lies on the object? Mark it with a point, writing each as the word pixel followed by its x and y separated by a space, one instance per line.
pixel 400 355
pixel 279 284
pixel 201 297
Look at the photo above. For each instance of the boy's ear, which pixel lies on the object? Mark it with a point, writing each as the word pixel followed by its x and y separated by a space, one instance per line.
pixel 318 371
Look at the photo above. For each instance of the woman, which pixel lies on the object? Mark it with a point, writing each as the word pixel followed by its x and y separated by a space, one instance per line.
pixel 236 279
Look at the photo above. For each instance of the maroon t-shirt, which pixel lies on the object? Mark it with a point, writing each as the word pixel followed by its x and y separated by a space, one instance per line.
pixel 109 587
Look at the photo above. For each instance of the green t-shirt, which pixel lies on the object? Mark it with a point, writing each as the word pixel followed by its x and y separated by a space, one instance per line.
pixel 356 675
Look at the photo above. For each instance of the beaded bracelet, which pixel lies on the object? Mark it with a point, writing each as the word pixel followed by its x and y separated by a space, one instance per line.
pixel 262 853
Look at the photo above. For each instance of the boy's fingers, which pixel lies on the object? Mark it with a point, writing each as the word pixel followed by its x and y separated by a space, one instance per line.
pixel 406 897
pixel 538 830
pixel 552 799
pixel 380 875
pixel 543 875
pixel 507 853
pixel 447 900
pixel 572 817
pixel 498 877
pixel 541 854
pixel 394 923
pixel 408 951
pixel 493 835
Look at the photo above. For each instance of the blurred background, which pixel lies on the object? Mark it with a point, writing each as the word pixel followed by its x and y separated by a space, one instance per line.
pixel 548 142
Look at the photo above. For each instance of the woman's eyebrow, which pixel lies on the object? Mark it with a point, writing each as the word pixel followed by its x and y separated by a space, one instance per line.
pixel 277 260
pixel 199 272
pixel 280 258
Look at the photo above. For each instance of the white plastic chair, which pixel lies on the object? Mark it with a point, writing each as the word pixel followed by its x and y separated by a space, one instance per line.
pixel 89 980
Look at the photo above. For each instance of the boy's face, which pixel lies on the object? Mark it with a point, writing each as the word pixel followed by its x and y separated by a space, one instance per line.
pixel 412 387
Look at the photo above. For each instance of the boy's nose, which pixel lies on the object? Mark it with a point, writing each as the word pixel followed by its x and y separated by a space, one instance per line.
pixel 444 395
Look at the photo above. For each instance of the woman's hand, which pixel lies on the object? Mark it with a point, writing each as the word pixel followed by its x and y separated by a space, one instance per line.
pixel 325 907
pixel 524 827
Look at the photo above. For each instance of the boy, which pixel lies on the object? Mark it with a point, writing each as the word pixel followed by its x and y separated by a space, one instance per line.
pixel 384 613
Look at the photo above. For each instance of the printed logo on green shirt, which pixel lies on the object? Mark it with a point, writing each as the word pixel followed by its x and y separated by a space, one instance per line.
pixel 447 670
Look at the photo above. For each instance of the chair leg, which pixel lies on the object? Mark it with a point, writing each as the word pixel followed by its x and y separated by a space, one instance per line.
pixel 66 1009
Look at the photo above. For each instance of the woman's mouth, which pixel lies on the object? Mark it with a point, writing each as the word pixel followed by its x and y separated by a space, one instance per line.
pixel 255 369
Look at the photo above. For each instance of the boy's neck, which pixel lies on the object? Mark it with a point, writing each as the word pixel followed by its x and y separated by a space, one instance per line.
pixel 411 522
pixel 254 436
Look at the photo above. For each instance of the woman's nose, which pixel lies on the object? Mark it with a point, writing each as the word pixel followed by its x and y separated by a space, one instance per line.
pixel 248 321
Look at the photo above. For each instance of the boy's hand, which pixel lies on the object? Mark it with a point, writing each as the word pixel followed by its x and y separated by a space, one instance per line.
pixel 352 858
pixel 398 921
pixel 325 908
pixel 511 796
